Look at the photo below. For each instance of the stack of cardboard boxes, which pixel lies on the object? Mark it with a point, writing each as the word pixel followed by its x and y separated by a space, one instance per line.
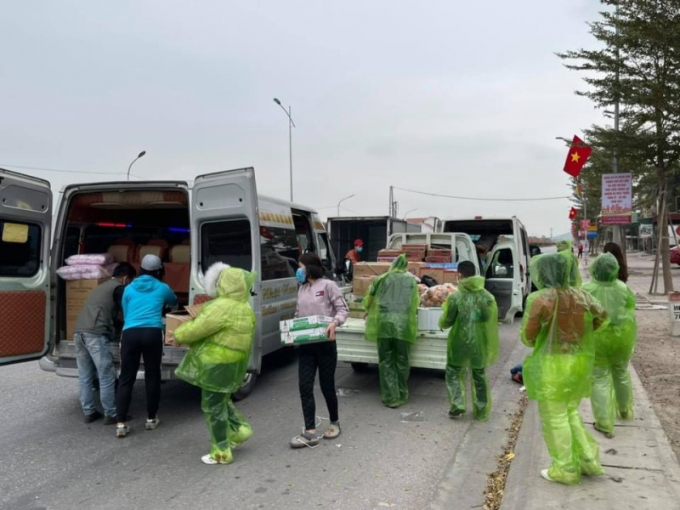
pixel 77 292
pixel 305 330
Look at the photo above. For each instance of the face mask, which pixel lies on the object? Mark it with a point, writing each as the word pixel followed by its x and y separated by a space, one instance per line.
pixel 360 249
pixel 301 275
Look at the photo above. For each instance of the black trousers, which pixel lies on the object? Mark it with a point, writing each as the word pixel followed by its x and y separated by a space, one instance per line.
pixel 323 357
pixel 135 344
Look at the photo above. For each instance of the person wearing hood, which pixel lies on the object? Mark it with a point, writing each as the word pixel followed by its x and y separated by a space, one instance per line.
pixel 472 315
pixel 559 323
pixel 143 303
pixel 318 296
pixel 392 305
pixel 575 275
pixel 614 345
pixel 220 338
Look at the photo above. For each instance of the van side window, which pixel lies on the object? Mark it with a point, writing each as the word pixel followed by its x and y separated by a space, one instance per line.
pixel 305 235
pixel 502 265
pixel 20 245
pixel 279 252
pixel 227 241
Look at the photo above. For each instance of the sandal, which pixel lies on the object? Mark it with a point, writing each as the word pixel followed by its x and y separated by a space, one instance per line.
pixel 333 430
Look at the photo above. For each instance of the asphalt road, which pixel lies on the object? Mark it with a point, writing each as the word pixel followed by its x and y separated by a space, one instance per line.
pixel 384 457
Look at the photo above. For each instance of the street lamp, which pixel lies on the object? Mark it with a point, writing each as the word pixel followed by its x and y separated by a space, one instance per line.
pixel 291 125
pixel 140 155
pixel 409 212
pixel 341 201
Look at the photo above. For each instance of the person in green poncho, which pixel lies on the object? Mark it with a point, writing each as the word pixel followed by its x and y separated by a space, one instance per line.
pixel 220 338
pixel 614 345
pixel 575 275
pixel 392 305
pixel 559 323
pixel 472 315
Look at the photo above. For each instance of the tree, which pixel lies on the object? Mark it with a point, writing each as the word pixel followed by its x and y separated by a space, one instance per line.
pixel 639 67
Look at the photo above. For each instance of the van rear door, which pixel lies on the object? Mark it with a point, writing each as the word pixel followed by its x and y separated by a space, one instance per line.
pixel 25 223
pixel 503 280
pixel 225 228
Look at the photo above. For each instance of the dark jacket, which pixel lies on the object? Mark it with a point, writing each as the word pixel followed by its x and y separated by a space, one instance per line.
pixel 101 309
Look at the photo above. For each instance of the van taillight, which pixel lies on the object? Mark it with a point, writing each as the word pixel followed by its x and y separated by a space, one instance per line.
pixel 478 217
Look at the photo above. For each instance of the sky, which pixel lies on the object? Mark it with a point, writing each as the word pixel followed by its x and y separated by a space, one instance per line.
pixel 446 97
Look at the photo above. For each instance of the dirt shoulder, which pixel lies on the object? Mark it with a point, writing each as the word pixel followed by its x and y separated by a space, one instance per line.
pixel 657 361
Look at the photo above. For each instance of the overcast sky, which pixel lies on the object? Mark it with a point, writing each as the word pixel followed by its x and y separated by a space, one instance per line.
pixel 460 98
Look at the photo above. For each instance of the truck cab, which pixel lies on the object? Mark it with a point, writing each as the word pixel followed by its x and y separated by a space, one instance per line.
pixel 461 245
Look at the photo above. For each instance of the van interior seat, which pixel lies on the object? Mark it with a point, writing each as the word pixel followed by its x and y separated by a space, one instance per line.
pixel 180 254
pixel 178 270
pixel 123 252
pixel 142 251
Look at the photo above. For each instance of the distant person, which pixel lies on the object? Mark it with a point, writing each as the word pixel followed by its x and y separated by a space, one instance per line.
pixel 575 277
pixel 580 250
pixel 94 331
pixel 472 315
pixel 614 345
pixel 220 340
pixel 318 296
pixel 615 250
pixel 354 255
pixel 559 323
pixel 143 303
pixel 392 304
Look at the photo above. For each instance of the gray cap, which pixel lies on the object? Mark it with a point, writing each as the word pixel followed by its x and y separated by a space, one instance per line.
pixel 151 263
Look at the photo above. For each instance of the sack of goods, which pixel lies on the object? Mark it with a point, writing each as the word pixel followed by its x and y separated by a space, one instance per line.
pixel 305 330
pixel 436 296
pixel 92 266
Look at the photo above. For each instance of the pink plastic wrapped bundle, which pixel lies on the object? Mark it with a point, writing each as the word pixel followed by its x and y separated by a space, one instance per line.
pixel 86 272
pixel 90 259
pixel 435 297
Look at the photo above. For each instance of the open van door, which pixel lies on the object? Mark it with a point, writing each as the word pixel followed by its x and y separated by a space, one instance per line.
pixel 25 222
pixel 503 280
pixel 226 228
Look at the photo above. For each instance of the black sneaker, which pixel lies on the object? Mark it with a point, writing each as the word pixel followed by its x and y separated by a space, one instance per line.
pixel 456 413
pixel 89 418
pixel 110 420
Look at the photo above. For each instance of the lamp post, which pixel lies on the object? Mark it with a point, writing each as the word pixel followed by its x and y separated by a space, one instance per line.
pixel 409 212
pixel 291 125
pixel 341 201
pixel 140 155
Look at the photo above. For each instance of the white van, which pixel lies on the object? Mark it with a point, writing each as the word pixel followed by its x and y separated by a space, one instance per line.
pixel 502 246
pixel 219 217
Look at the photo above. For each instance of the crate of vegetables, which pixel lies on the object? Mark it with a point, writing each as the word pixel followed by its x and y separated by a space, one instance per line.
pixel 436 296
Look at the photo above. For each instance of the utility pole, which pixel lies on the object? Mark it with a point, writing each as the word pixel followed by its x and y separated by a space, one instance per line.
pixel 617 232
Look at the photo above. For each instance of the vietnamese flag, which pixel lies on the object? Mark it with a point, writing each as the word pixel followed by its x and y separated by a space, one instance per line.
pixel 573 213
pixel 577 157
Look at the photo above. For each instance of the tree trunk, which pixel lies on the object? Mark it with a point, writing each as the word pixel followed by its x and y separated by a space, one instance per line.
pixel 662 222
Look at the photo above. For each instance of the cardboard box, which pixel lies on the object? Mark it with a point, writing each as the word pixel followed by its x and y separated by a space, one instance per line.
pixel 305 323
pixel 387 259
pixel 439 252
pixel 451 276
pixel 360 285
pixel 356 314
pixel 174 321
pixel 305 336
pixel 441 259
pixel 433 272
pixel 415 267
pixel 77 292
pixel 370 269
pixel 194 309
pixel 389 253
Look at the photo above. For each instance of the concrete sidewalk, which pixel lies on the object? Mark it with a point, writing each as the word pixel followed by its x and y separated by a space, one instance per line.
pixel 641 469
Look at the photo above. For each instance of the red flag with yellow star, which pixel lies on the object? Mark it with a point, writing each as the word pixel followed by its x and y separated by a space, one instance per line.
pixel 579 153
pixel 573 213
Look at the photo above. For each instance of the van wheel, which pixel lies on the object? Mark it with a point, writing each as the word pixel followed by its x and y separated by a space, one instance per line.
pixel 360 367
pixel 248 384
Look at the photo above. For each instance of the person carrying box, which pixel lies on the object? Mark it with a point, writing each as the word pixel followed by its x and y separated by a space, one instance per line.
pixel 220 338
pixel 392 321
pixel 472 315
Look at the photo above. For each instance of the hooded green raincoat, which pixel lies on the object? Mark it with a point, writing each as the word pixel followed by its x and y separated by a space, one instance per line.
pixel 567 247
pixel 472 315
pixel 559 323
pixel 220 339
pixel 392 305
pixel 614 345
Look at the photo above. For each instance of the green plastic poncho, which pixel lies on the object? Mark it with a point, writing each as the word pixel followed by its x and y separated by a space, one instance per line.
pixel 559 323
pixel 392 305
pixel 612 388
pixel 472 315
pixel 567 247
pixel 220 339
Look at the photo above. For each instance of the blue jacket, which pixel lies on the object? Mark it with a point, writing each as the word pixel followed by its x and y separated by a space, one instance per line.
pixel 143 302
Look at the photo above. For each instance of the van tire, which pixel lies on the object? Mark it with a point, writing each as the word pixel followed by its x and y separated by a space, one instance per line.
pixel 359 367
pixel 249 382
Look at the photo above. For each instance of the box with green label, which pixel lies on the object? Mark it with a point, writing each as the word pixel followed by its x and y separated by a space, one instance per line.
pixel 304 336
pixel 303 323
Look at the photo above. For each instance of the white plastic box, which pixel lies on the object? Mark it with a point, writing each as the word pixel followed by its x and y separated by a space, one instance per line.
pixel 428 319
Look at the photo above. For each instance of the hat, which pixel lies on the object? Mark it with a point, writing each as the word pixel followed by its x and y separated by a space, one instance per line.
pixel 151 263
pixel 358 242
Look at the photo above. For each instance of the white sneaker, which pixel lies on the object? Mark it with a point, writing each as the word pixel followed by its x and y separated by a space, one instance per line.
pixel 207 459
pixel 122 430
pixel 545 475
pixel 152 424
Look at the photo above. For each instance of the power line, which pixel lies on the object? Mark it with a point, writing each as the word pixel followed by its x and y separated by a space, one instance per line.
pixel 483 199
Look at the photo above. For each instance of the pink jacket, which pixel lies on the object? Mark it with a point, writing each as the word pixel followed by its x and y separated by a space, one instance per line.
pixel 322 298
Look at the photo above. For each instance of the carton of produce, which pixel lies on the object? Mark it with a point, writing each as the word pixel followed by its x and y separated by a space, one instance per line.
pixel 305 323
pixel 363 269
pixel 305 336
pixel 436 296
